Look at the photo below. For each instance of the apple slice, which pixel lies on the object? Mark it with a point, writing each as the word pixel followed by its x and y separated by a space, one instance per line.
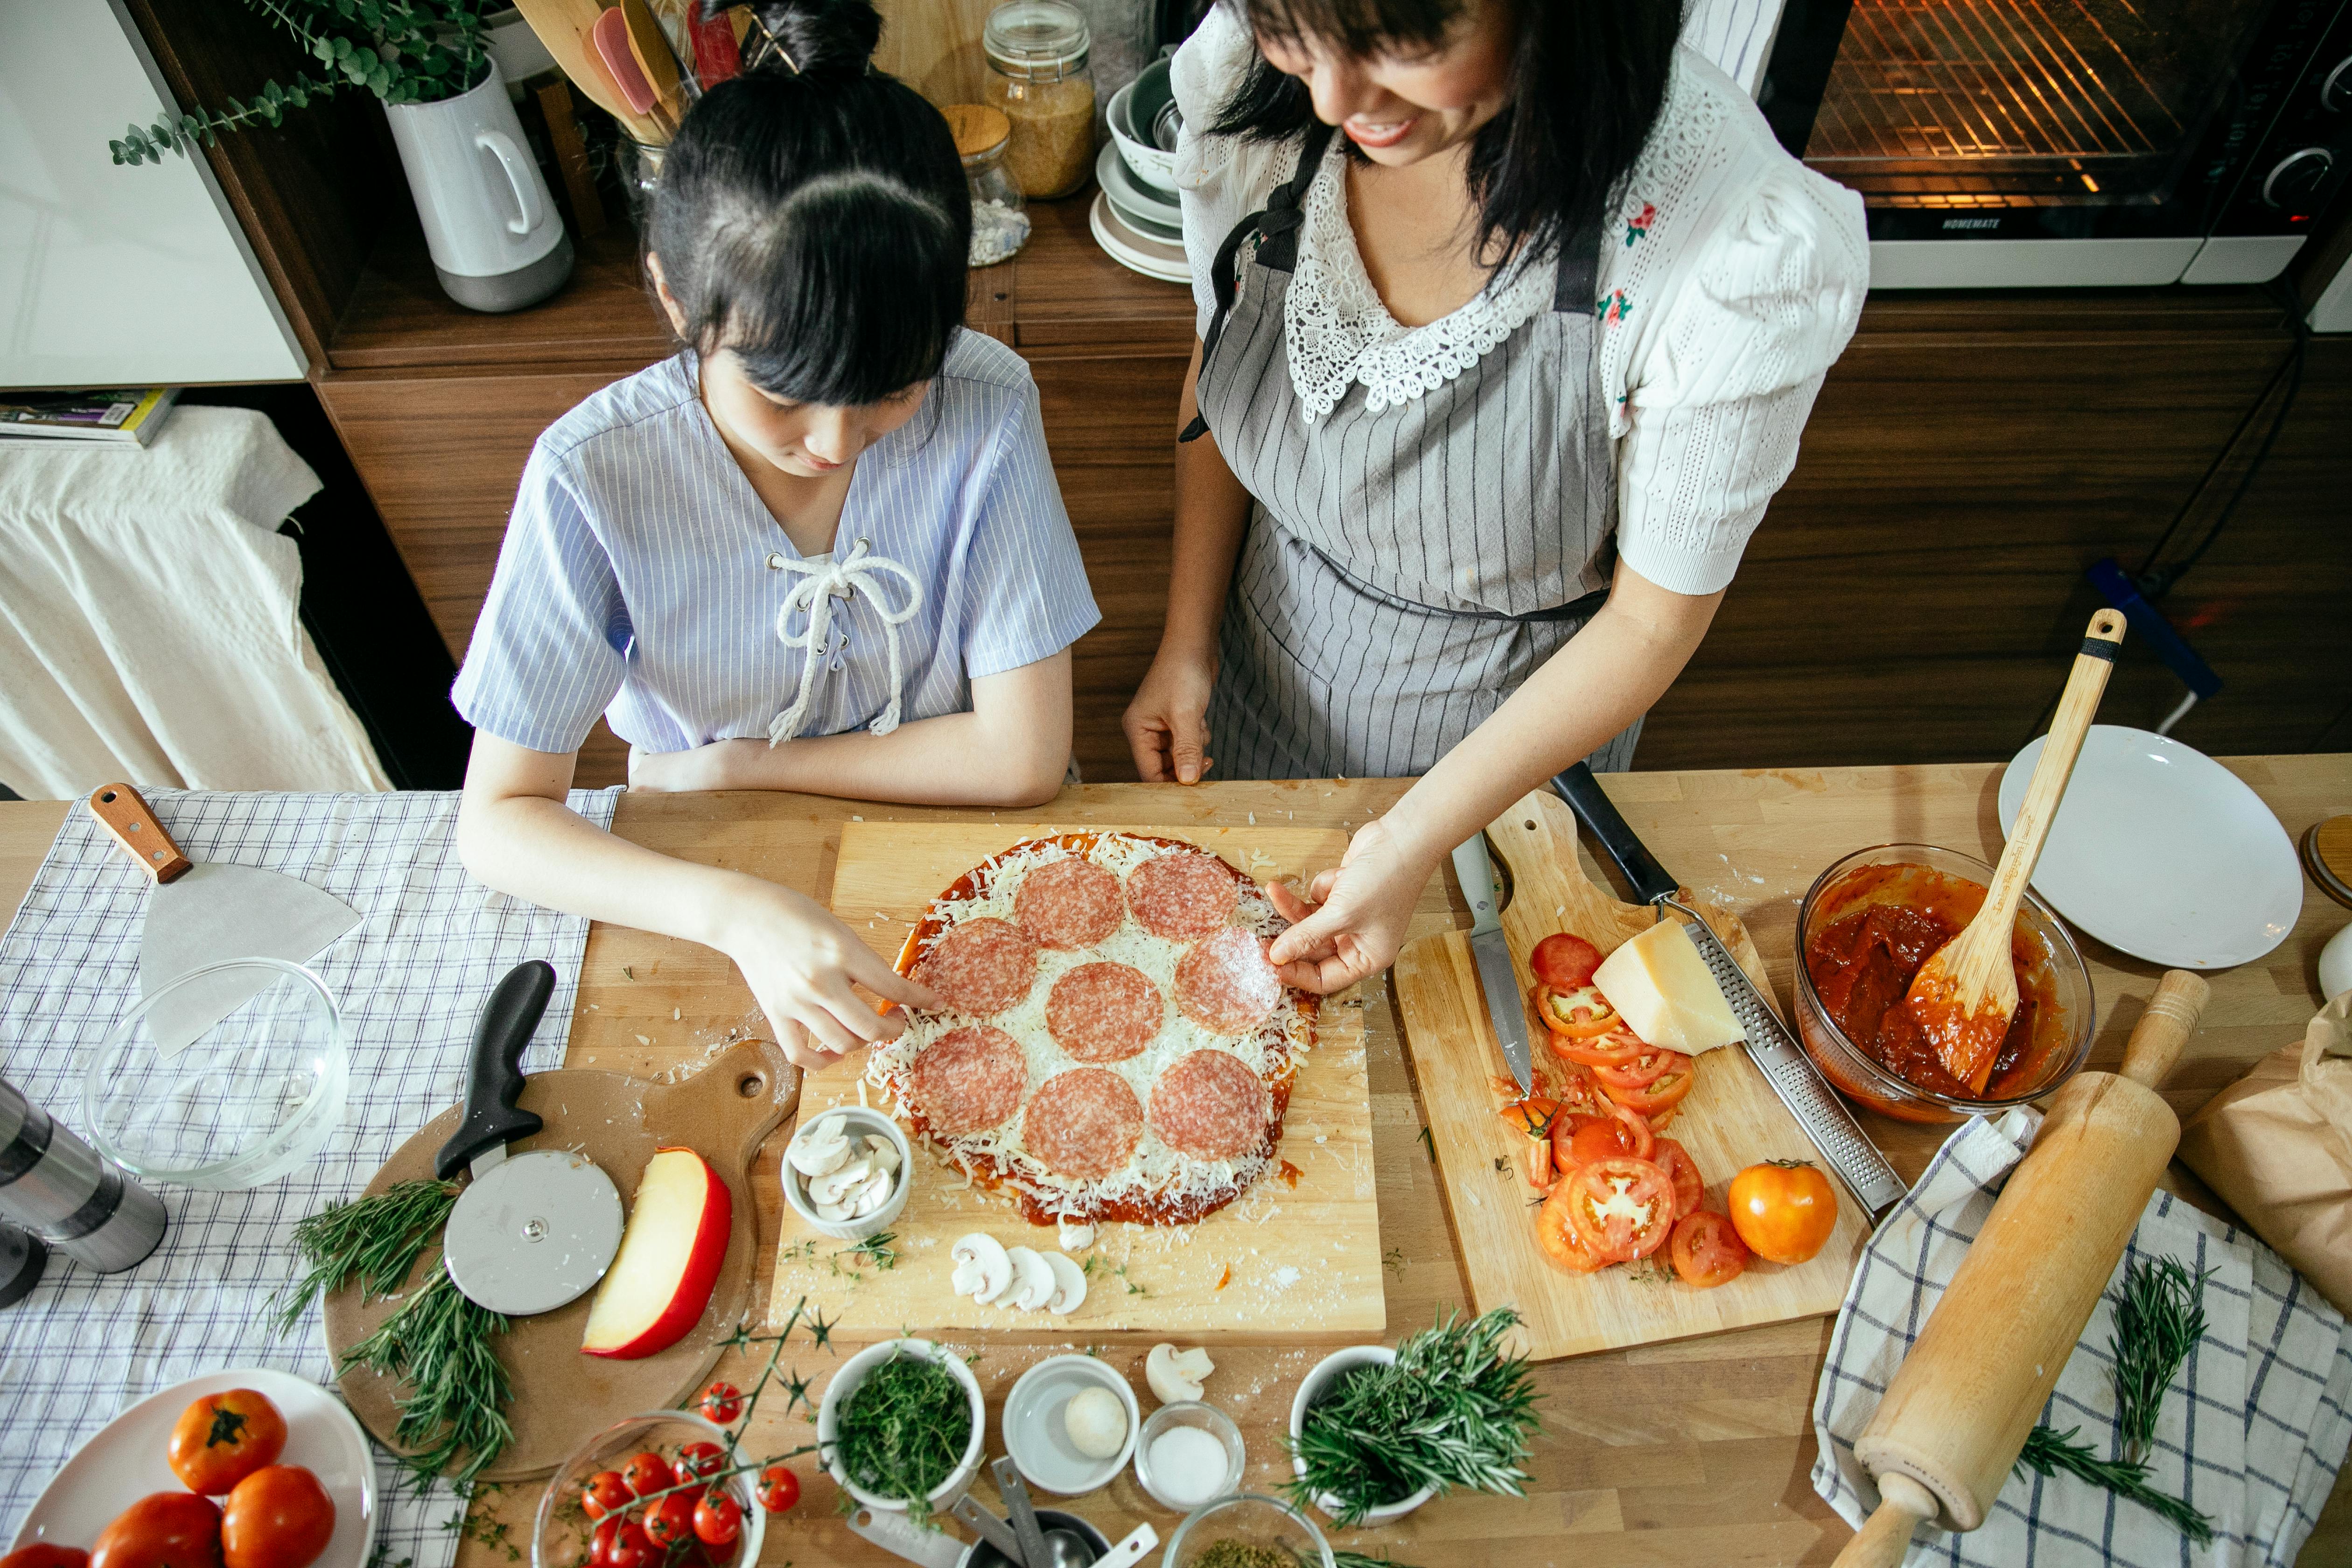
pixel 669 1263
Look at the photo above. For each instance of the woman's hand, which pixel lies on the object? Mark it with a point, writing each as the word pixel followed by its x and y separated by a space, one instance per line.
pixel 1167 724
pixel 1353 918
pixel 711 766
pixel 801 962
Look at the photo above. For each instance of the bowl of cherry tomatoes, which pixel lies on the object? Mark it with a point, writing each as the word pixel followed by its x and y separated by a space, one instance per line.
pixel 664 1489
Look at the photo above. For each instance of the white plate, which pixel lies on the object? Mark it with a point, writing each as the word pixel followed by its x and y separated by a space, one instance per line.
pixel 2161 852
pixel 124 1460
pixel 1136 252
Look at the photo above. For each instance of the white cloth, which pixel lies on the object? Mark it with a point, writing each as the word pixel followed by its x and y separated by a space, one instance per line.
pixel 1731 279
pixel 2251 1433
pixel 148 620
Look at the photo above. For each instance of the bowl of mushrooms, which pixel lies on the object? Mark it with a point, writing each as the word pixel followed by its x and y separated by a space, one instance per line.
pixel 847 1172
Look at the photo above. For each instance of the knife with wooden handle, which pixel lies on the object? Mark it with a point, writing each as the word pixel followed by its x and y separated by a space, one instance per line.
pixel 1492 950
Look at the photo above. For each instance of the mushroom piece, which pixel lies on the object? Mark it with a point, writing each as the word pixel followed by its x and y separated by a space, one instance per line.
pixel 1035 1284
pixel 1076 1234
pixel 1176 1376
pixel 1069 1285
pixel 984 1268
pixel 869 1195
pixel 819 1149
pixel 829 1189
pixel 880 1151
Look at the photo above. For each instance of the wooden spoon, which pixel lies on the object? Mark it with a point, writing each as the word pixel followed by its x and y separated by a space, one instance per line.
pixel 650 48
pixel 610 37
pixel 1966 994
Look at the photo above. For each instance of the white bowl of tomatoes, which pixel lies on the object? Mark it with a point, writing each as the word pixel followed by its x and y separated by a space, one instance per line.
pixel 664 1489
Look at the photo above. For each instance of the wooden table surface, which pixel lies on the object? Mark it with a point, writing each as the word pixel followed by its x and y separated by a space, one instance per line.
pixel 1692 1453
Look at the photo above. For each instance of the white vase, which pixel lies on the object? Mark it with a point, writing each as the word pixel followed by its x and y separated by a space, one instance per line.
pixel 495 236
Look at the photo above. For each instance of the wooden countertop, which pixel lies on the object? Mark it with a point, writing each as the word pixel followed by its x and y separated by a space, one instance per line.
pixel 1692 1453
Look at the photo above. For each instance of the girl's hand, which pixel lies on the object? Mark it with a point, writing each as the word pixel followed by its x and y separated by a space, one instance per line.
pixel 1353 918
pixel 1167 724
pixel 700 768
pixel 800 963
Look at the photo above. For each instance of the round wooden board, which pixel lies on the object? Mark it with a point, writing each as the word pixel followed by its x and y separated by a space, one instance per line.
pixel 561 1396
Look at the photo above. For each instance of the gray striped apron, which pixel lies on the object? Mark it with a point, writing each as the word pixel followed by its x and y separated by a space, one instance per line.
pixel 1405 571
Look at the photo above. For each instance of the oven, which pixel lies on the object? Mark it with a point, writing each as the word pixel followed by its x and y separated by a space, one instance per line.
pixel 2035 143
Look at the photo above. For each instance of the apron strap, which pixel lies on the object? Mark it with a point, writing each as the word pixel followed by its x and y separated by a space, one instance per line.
pixel 1580 272
pixel 1278 221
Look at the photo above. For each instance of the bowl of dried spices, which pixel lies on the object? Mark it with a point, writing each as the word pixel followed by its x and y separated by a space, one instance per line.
pixel 901 1425
pixel 1246 1531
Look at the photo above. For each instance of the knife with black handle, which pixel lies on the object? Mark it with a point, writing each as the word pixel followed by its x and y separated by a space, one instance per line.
pixel 1771 1046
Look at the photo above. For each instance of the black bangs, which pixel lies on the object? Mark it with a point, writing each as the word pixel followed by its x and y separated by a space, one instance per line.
pixel 1358 27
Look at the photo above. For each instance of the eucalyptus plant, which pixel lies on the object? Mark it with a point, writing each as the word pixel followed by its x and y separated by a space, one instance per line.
pixel 404 51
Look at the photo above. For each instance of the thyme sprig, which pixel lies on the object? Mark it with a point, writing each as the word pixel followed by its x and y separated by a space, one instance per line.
pixel 903 1430
pixel 2047 1453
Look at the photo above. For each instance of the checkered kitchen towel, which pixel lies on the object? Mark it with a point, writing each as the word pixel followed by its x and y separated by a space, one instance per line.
pixel 410 978
pixel 2251 1431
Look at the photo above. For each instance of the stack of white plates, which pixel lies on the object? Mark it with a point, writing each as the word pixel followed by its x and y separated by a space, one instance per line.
pixel 1136 218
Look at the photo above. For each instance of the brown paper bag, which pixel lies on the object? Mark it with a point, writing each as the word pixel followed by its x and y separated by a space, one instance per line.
pixel 2277 1146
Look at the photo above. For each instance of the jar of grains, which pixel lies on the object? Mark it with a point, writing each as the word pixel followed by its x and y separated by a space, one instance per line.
pixel 999 226
pixel 1038 75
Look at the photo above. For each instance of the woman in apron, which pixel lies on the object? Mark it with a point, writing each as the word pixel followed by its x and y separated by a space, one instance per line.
pixel 1511 313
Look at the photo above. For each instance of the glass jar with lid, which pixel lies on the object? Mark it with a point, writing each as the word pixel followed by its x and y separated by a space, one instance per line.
pixel 1039 76
pixel 999 226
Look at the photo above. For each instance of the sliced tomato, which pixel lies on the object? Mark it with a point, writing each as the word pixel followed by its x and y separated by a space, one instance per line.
pixel 1637 1127
pixel 1641 1071
pixel 1580 1013
pixel 1616 1049
pixel 1531 1116
pixel 1557 1234
pixel 1539 1171
pixel 1707 1251
pixel 1564 961
pixel 1579 1090
pixel 1690 1188
pixel 1621 1208
pixel 1661 1093
pixel 1659 1120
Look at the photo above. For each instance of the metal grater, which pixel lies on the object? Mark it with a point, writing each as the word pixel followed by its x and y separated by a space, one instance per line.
pixel 1793 1077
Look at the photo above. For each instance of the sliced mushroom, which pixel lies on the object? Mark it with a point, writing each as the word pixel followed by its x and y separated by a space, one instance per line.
pixel 869 1195
pixel 832 1214
pixel 984 1268
pixel 1035 1285
pixel 1176 1376
pixel 830 1189
pixel 819 1149
pixel 882 1151
pixel 1069 1285
pixel 1077 1234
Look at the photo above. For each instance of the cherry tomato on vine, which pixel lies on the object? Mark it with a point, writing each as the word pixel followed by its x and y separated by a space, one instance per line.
pixel 698 1461
pixel 599 1545
pixel 607 1493
pixel 718 1519
pixel 778 1488
pixel 629 1547
pixel 670 1522
pixel 648 1473
pixel 721 1403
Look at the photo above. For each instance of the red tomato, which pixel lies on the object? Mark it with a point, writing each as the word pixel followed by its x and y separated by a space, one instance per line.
pixel 1564 961
pixel 1784 1210
pixel 712 1556
pixel 1615 1048
pixel 1539 1161
pixel 1621 1208
pixel 599 1545
pixel 1707 1251
pixel 161 1529
pixel 648 1473
pixel 1641 1072
pixel 279 1517
pixel 721 1403
pixel 224 1438
pixel 1579 1090
pixel 1558 1235
pixel 608 1491
pixel 697 1460
pixel 1578 1014
pixel 1690 1188
pixel 41 1555
pixel 718 1519
pixel 670 1521
pixel 778 1488
pixel 629 1547
pixel 1661 1093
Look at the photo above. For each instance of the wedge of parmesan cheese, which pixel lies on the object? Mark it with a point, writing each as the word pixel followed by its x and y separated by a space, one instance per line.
pixel 1660 986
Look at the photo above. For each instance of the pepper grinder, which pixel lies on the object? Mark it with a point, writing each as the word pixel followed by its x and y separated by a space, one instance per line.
pixel 68 1194
pixel 22 1258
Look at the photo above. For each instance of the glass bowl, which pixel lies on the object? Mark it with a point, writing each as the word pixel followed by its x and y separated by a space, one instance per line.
pixel 561 1534
pixel 2062 1039
pixel 1207 1418
pixel 247 1101
pixel 1254 1520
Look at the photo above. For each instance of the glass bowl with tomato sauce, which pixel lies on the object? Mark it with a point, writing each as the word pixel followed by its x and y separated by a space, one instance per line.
pixel 1867 925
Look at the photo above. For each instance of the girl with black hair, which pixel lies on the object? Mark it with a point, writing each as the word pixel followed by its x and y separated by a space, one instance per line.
pixel 821 549
pixel 1511 311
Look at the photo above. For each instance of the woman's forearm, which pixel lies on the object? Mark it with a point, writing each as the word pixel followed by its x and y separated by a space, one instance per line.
pixel 956 759
pixel 1212 512
pixel 542 851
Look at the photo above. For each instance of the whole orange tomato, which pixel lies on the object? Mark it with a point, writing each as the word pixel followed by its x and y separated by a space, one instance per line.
pixel 224 1438
pixel 279 1517
pixel 161 1529
pixel 1784 1210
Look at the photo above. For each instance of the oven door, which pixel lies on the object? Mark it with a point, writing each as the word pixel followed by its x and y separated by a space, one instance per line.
pixel 2008 142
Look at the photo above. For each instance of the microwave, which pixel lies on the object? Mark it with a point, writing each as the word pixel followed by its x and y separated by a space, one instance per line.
pixel 2082 142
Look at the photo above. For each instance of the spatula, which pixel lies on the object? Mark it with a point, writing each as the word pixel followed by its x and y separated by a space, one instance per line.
pixel 649 46
pixel 611 37
pixel 1966 994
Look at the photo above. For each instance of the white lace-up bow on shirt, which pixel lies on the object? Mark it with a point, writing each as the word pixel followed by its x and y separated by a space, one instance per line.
pixel 822 583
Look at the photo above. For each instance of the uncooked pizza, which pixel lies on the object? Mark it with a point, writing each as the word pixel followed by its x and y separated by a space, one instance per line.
pixel 1115 1045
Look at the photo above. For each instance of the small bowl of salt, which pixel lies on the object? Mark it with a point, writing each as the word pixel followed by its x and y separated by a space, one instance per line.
pixel 1188 1453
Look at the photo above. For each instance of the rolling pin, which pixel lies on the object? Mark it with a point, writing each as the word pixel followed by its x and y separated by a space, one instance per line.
pixel 1957 1413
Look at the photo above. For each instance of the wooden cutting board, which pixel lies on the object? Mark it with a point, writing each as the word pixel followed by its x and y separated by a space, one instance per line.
pixel 560 1396
pixel 1284 1263
pixel 1730 1119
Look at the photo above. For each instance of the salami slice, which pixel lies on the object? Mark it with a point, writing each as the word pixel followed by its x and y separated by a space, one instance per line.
pixel 1183 894
pixel 1083 1123
pixel 968 1079
pixel 1224 983
pixel 1104 1012
pixel 1209 1105
pixel 1068 903
pixel 982 966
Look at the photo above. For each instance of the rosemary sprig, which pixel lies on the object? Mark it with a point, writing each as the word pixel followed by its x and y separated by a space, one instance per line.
pixel 902 1430
pixel 1343 1558
pixel 373 1240
pixel 2158 1321
pixel 2047 1453
pixel 439 1343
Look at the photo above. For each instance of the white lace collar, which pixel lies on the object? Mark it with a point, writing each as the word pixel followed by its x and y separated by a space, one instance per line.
pixel 1339 333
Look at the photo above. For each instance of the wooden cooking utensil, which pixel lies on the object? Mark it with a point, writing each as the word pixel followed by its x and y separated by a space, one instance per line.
pixel 1966 994
pixel 1956 1413
pixel 649 46
pixel 563 27
pixel 610 37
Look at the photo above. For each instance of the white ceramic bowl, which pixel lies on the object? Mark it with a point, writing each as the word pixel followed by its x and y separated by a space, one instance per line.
pixel 858 1121
pixel 1143 157
pixel 845 1382
pixel 1311 1390
pixel 559 1534
pixel 1039 1442
pixel 1208 1420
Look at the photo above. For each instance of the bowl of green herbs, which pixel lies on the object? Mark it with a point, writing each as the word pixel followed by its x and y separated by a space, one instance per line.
pixel 1375 1433
pixel 901 1425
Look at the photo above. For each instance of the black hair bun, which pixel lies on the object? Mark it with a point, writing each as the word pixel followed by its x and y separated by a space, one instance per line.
pixel 828 40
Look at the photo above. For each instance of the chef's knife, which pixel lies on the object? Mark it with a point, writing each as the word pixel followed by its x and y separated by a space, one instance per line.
pixel 531 1233
pixel 1770 1046
pixel 209 912
pixel 1492 949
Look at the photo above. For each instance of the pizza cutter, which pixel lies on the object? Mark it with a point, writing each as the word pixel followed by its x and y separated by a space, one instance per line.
pixel 533 1231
